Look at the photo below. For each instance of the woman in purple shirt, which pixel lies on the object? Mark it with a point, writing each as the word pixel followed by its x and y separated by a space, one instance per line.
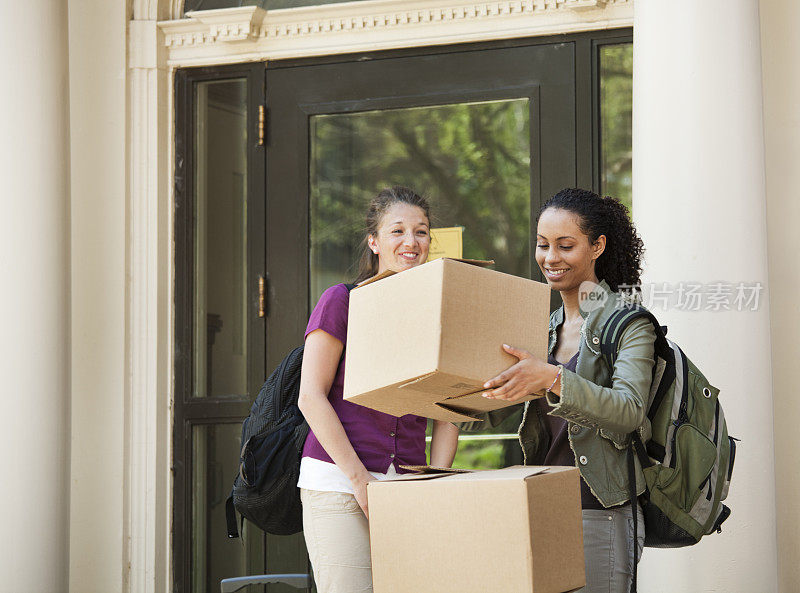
pixel 349 445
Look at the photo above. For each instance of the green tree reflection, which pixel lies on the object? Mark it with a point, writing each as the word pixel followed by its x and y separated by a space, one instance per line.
pixel 616 116
pixel 471 160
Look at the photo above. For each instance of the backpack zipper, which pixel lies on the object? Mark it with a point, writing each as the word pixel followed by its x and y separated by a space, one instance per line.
pixel 682 419
pixel 731 456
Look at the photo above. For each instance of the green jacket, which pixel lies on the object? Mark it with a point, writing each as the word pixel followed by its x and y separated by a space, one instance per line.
pixel 601 408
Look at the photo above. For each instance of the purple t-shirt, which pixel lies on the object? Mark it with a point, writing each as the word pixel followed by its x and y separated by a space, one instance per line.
pixel 378 439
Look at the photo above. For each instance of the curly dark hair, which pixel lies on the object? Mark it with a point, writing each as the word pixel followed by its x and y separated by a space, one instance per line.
pixel 621 262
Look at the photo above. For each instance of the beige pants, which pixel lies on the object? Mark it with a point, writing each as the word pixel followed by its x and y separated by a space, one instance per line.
pixel 337 538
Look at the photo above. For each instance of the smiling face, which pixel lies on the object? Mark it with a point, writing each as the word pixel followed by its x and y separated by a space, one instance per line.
pixel 403 238
pixel 563 252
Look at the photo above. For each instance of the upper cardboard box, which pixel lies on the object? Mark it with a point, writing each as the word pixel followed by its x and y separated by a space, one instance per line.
pixel 509 530
pixel 425 340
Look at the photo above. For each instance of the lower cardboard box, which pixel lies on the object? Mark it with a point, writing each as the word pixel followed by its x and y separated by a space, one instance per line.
pixel 512 530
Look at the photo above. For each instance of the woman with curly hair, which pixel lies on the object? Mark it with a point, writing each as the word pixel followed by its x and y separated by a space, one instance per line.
pixel 588 250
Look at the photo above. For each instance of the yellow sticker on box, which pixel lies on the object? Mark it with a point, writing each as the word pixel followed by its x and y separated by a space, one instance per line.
pixel 446 242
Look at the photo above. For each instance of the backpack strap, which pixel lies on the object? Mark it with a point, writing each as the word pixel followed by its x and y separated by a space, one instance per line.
pixel 634 512
pixel 611 336
pixel 285 363
pixel 609 347
pixel 618 323
pixel 230 509
pixel 644 460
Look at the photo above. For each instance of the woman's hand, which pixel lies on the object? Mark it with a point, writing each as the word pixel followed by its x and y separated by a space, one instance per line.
pixel 528 376
pixel 360 490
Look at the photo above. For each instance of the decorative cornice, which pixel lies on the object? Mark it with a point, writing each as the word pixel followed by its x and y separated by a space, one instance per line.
pixel 377 24
pixel 585 4
pixel 230 25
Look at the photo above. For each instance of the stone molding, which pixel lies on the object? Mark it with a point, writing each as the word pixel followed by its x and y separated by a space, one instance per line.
pixel 147 500
pixel 251 33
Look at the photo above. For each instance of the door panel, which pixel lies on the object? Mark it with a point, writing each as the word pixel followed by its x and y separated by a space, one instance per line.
pixel 220 338
pixel 485 134
pixel 220 239
pixel 414 100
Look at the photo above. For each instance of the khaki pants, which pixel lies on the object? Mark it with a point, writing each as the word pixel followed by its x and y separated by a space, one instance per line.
pixel 337 538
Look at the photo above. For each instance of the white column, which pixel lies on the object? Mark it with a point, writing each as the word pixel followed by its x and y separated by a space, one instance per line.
pixel 699 203
pixel 148 499
pixel 781 63
pixel 34 297
pixel 97 59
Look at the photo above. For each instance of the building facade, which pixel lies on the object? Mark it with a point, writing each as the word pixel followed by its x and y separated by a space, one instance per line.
pixel 108 100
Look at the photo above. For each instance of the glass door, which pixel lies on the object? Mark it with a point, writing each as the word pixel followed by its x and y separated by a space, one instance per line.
pixel 220 332
pixel 484 133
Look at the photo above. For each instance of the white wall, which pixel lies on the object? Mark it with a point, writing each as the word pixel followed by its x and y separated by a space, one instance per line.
pixel 699 203
pixel 34 297
pixel 97 58
pixel 781 78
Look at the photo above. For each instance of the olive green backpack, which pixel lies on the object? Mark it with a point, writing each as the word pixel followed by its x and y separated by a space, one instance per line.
pixel 688 462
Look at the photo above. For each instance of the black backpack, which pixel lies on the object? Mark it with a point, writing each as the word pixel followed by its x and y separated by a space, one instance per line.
pixel 273 435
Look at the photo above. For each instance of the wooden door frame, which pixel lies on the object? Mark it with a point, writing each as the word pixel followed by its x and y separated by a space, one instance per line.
pixel 188 411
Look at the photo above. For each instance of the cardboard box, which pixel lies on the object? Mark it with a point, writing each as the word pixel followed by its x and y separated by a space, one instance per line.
pixel 512 530
pixel 425 340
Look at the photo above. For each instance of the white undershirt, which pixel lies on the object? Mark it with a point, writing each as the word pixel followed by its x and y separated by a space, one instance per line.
pixel 316 474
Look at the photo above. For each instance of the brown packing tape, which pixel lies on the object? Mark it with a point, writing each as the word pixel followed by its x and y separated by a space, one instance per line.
pixel 481 263
pixel 410 478
pixel 412 382
pixel 514 472
pixel 432 469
